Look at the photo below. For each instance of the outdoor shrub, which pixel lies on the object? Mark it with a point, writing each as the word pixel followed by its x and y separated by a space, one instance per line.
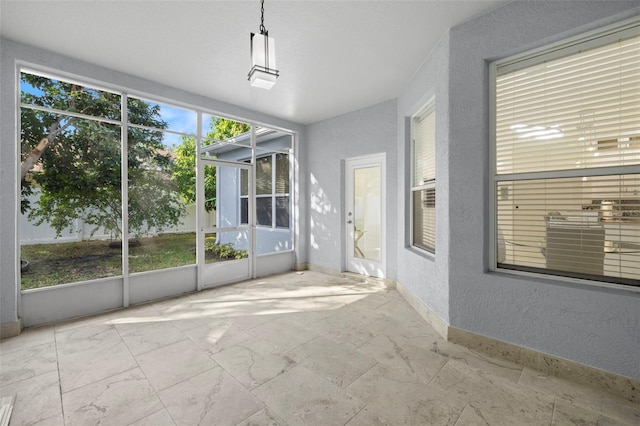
pixel 225 251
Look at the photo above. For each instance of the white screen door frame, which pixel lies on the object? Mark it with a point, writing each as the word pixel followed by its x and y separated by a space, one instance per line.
pixel 215 274
pixel 365 216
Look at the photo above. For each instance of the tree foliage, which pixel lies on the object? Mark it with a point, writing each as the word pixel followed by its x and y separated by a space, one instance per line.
pixel 76 165
pixel 185 161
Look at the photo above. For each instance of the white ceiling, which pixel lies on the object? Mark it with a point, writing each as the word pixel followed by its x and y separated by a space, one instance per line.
pixel 333 56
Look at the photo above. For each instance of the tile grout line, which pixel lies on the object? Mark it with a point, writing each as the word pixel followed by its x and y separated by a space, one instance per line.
pixel 252 414
pixel 365 372
pixel 355 415
pixel 520 377
pixel 553 411
pixel 156 392
pixel 438 372
pixel 460 415
pixel 55 342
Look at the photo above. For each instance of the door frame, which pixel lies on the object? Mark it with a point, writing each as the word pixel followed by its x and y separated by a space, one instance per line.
pixel 369 267
pixel 231 274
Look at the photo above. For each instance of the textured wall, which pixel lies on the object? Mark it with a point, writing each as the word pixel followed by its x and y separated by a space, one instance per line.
pixel 368 131
pixel 425 274
pixel 596 326
pixel 11 53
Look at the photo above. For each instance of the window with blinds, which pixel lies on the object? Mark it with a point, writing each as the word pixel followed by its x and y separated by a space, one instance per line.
pixel 423 179
pixel 567 156
pixel 272 192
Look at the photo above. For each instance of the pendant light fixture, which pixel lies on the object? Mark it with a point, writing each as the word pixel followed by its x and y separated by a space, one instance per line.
pixel 263 57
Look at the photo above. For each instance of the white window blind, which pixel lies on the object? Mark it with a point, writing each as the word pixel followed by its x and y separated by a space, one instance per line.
pixel 567 160
pixel 579 111
pixel 423 179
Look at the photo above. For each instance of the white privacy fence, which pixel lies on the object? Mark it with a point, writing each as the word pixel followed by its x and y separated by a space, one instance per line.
pixel 30 233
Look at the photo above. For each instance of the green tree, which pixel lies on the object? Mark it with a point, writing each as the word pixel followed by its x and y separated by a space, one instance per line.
pixel 184 174
pixel 76 165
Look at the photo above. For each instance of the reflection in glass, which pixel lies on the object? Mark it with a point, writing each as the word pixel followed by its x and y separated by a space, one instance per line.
pixel 264 206
pixel 282 212
pixel 424 218
pixel 367 235
pixel 282 173
pixel 263 175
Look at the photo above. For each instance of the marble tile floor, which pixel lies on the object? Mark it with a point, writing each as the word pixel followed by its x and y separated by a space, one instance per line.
pixel 295 349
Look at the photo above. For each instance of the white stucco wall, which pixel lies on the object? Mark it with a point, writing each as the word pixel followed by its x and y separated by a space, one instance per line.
pixel 592 325
pixel 426 275
pixel 368 131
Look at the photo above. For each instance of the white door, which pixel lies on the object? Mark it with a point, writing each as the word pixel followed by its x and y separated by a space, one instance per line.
pixel 225 249
pixel 365 215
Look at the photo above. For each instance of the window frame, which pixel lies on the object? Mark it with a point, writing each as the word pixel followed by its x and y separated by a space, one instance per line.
pixel 273 196
pixel 428 108
pixel 592 39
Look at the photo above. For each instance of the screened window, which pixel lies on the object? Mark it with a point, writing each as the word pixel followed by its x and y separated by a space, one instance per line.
pixel 272 192
pixel 423 179
pixel 72 204
pixel 567 150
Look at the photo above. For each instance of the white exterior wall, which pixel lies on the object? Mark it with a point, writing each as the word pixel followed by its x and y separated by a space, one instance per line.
pixel 268 240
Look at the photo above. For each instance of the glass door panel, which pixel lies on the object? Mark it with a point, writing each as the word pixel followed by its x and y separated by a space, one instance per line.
pixel 367 235
pixel 365 204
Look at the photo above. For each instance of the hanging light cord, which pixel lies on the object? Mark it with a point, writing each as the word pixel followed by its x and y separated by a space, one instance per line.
pixel 263 30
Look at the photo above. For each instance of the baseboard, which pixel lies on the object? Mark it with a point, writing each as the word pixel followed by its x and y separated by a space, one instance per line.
pixel 425 312
pixel 6 407
pixel 550 365
pixel 10 329
pixel 323 269
pixel 386 282
pixel 300 266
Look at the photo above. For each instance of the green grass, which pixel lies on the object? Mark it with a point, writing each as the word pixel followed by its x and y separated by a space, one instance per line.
pixel 52 264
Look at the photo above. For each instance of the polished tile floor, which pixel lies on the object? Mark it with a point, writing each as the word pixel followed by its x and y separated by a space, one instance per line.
pixel 296 349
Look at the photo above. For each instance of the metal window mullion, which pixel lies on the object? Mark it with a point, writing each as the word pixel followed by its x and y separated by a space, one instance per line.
pixel 215 229
pixel 493 199
pixel 217 162
pixel 293 190
pixel 124 188
pixel 251 205
pixel 412 167
pixel 199 170
pixel 155 129
pixel 17 194
pixel 273 191
pixel 431 184
pixel 77 114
